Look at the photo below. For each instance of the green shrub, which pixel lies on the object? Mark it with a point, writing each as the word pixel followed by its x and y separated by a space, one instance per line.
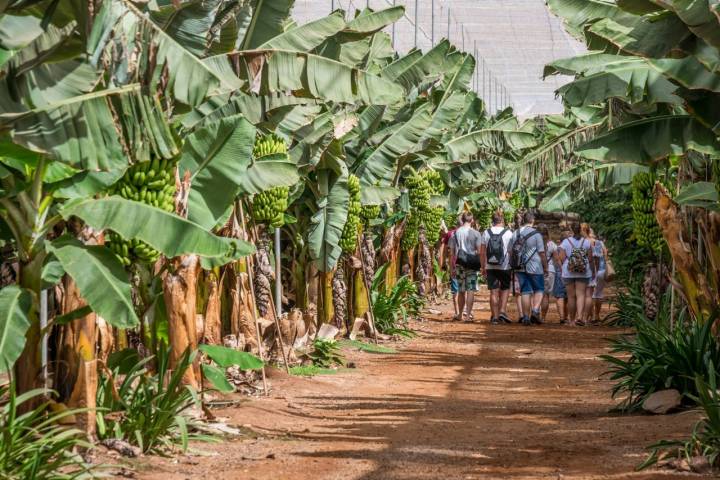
pixel 393 310
pixel 627 308
pixel 326 353
pixel 33 443
pixel 705 438
pixel 146 409
pixel 660 356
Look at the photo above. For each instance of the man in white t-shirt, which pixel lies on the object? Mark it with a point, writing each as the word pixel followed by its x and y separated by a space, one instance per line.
pixel 496 267
pixel 469 241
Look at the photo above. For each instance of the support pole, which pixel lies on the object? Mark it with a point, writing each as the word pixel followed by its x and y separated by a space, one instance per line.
pixel 371 315
pixel 416 22
pixel 432 23
pixel 393 29
pixel 277 310
pixel 448 25
pixel 251 281
pixel 44 341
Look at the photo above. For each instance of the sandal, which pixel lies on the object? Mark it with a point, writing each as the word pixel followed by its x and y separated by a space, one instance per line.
pixel 468 317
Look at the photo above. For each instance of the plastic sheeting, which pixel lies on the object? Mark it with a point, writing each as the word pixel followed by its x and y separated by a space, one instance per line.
pixel 514 40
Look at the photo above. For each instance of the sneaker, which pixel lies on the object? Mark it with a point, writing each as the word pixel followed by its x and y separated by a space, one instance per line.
pixel 535 319
pixel 494 321
pixel 525 321
pixel 504 318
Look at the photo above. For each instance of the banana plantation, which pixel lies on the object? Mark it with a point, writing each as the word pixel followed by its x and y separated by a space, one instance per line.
pixel 228 245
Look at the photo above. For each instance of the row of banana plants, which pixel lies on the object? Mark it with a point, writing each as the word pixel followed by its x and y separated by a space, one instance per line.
pixel 640 112
pixel 149 149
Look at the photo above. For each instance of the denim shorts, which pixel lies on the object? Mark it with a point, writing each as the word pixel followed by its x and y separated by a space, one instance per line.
pixel 453 286
pixel 559 290
pixel 531 282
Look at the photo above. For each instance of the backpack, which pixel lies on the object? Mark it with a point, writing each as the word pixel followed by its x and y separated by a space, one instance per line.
pixel 471 261
pixel 496 248
pixel 578 260
pixel 518 259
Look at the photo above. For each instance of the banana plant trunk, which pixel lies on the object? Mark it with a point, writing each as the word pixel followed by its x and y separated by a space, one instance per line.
pixel 325 309
pixel 180 293
pixel 693 282
pixel 28 368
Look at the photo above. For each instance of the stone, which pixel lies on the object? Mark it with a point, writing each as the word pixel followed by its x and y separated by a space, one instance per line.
pixel 662 401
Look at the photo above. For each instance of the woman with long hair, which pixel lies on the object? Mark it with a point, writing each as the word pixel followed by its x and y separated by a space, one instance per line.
pixel 577 272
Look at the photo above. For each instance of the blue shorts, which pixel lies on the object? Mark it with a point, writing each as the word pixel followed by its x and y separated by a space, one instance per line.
pixel 531 282
pixel 559 290
pixel 453 286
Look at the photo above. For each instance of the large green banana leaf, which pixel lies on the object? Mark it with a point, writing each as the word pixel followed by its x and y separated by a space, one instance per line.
pixel 700 16
pixel 96 131
pixel 328 221
pixel 307 37
pixel 688 72
pixel 120 28
pixel 577 14
pixel 372 195
pixel 648 140
pixel 370 21
pixel 418 68
pixel 166 232
pixel 100 278
pixel 15 305
pixel 381 166
pixel 580 64
pixel 494 139
pixel 699 194
pixel 268 21
pixel 634 81
pixel 641 36
pixel 460 77
pixel 269 71
pixel 267 172
pixel 17 31
pixel 85 183
pixel 569 187
pixel 638 7
pixel 189 23
pixel 217 156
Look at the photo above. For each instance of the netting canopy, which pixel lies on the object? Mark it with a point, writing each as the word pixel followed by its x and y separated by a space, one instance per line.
pixel 513 39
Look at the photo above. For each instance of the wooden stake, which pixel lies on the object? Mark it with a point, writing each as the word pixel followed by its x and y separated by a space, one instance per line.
pixel 371 315
pixel 254 314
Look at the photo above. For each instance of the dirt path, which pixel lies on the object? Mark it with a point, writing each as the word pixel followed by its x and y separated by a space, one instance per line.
pixel 461 401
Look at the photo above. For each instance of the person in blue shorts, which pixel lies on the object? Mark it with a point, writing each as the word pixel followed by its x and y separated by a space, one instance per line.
pixel 448 254
pixel 531 273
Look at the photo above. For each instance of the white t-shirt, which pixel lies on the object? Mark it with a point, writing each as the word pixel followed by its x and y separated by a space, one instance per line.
pixel 568 245
pixel 506 238
pixel 550 248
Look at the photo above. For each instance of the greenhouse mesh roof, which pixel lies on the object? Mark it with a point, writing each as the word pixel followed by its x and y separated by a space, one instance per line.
pixel 514 38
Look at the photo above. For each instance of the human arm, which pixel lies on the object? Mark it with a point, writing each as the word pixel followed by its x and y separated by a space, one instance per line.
pixel 561 253
pixel 543 259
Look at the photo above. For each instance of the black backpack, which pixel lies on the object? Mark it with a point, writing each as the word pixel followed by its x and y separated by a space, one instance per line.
pixel 471 261
pixel 496 247
pixel 518 259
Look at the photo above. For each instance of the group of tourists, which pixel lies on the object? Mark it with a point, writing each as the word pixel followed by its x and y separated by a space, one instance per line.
pixel 530 265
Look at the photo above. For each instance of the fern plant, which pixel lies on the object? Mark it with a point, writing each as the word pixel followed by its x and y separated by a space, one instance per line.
pixel 326 353
pixel 393 309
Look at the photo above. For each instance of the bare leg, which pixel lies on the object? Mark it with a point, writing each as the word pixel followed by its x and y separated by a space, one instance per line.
pixel 469 302
pixel 518 304
pixel 526 304
pixel 455 304
pixel 580 301
pixel 461 301
pixel 562 308
pixel 545 305
pixel 537 299
pixel 503 300
pixel 587 310
pixel 597 303
pixel 494 303
pixel 571 303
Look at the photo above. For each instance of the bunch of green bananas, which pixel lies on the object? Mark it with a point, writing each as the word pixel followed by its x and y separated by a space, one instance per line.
pixel 509 216
pixel 432 219
pixel 152 183
pixel 368 213
pixel 410 235
pixel 646 230
pixel 270 205
pixel 451 220
pixel 435 181
pixel 348 240
pixel 716 173
pixel 269 145
pixel 483 216
pixel 419 191
pixel 516 200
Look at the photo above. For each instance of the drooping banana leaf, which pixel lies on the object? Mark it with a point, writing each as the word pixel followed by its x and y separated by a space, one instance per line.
pixel 15 305
pixel 372 195
pixel 269 171
pixel 96 131
pixel 268 20
pixel 306 37
pixel 700 16
pixel 166 232
pixel 699 194
pixel 577 14
pixel 217 156
pixel 493 139
pixel 641 36
pixel 328 221
pixel 648 140
pixel 189 23
pixel 100 278
pixel 370 21
pixel 120 28
pixel 270 71
pixel 580 64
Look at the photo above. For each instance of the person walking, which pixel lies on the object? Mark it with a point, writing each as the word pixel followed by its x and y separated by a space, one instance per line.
pixel 559 290
pixel 600 254
pixel 465 246
pixel 577 271
pixel 446 255
pixel 551 255
pixel 496 267
pixel 530 264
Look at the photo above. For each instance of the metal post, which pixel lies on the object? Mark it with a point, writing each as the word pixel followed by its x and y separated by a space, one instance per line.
pixel 393 30
pixel 432 23
pixel 490 79
pixel 332 5
pixel 448 33
pixel 416 21
pixel 477 67
pixel 278 273
pixel 44 341
pixel 485 105
pixel 462 29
